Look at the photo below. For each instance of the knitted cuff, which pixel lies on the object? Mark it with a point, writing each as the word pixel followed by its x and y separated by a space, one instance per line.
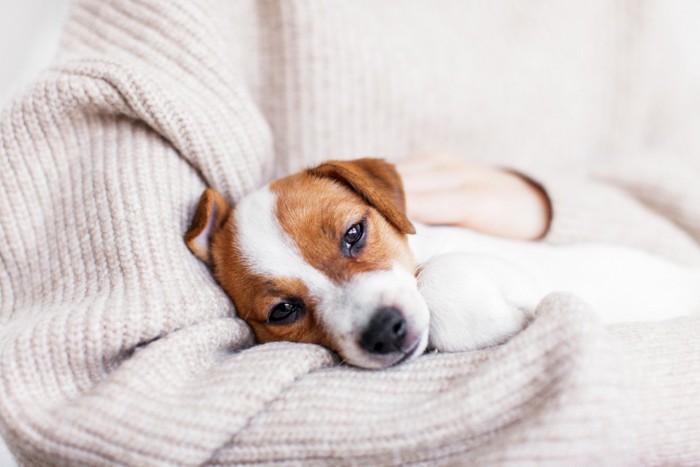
pixel 586 210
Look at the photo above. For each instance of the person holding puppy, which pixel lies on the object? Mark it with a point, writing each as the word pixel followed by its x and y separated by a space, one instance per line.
pixel 547 121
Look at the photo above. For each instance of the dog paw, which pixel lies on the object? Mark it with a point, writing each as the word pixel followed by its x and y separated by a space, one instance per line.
pixel 475 301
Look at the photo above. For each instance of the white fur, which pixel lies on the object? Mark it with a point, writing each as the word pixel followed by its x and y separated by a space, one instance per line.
pixel 475 300
pixel 480 289
pixel 343 309
pixel 268 250
pixel 366 293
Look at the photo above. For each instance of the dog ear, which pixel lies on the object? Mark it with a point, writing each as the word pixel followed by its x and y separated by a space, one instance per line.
pixel 212 212
pixel 377 181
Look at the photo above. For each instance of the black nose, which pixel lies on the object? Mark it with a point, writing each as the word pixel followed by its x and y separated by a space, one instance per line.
pixel 385 333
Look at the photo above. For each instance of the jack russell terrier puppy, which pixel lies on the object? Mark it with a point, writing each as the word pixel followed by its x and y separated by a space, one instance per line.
pixel 328 256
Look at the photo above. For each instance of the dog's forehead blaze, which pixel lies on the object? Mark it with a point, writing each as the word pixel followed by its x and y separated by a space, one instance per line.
pixel 316 213
pixel 254 295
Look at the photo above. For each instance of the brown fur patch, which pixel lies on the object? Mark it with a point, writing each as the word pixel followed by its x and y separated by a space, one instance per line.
pixel 376 181
pixel 254 295
pixel 316 212
pixel 212 211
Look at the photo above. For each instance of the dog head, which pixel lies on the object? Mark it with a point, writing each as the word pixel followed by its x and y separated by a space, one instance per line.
pixel 321 257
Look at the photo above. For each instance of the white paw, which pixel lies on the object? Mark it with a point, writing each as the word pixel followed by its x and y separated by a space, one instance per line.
pixel 475 301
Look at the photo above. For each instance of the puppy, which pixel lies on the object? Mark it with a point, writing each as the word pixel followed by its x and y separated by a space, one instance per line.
pixel 328 256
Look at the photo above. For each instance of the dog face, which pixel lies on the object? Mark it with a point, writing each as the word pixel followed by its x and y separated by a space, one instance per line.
pixel 320 257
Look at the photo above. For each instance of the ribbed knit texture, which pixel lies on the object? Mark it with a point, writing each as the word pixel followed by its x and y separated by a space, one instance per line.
pixel 117 346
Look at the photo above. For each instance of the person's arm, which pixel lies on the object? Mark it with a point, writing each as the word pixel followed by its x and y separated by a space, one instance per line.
pixel 444 189
pixel 556 205
pixel 640 201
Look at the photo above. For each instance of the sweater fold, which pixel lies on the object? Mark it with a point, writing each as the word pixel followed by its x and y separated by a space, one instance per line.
pixel 118 347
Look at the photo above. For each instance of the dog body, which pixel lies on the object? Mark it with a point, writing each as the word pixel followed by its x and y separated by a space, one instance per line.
pixel 323 256
pixel 481 289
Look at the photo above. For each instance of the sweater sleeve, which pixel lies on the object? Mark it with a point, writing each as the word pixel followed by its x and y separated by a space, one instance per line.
pixel 118 347
pixel 644 203
pixel 108 326
pixel 642 189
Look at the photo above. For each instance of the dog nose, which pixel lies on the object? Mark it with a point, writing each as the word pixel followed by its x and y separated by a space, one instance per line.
pixel 385 333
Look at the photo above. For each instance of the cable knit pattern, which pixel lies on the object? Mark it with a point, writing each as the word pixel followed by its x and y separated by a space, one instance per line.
pixel 117 346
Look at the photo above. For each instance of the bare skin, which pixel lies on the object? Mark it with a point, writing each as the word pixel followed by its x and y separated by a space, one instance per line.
pixel 444 189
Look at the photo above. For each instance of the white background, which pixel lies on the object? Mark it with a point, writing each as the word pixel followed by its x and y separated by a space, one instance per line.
pixel 29 34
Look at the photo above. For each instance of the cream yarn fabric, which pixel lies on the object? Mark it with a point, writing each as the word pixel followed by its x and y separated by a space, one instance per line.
pixel 116 346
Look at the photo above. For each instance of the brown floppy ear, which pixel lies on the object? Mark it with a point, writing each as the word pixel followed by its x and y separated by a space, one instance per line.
pixel 211 214
pixel 377 181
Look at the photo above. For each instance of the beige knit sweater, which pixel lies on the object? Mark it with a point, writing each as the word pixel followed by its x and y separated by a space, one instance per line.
pixel 116 346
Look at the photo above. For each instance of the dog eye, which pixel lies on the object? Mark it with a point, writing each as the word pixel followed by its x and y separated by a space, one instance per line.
pixel 354 239
pixel 285 312
pixel 354 234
